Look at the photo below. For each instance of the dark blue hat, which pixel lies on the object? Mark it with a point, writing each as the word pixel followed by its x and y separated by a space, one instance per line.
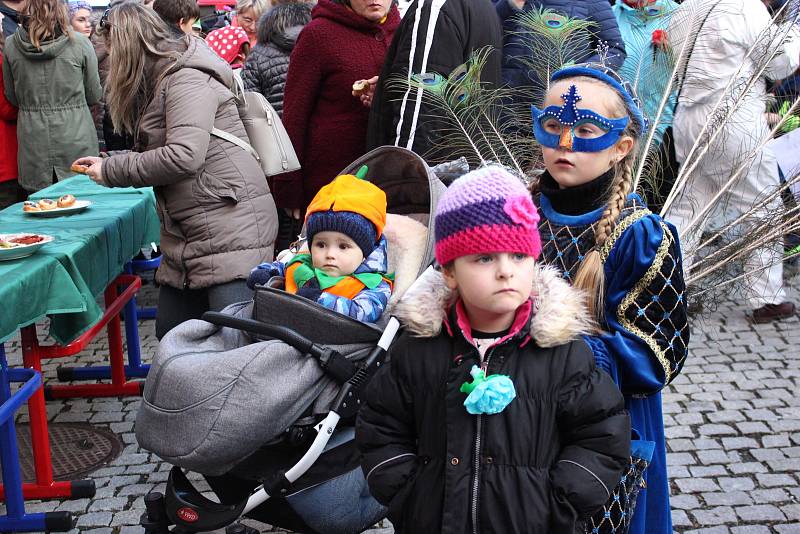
pixel 355 226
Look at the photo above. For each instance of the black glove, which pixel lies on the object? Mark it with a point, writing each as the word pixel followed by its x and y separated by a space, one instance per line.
pixel 311 290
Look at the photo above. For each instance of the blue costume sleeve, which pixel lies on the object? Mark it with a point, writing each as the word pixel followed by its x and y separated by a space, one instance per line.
pixel 645 312
pixel 366 307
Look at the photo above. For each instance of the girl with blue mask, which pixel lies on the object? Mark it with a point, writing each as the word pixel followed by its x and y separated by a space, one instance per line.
pixel 602 238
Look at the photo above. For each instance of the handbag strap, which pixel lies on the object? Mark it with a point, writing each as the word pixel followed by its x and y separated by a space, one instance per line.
pixel 222 134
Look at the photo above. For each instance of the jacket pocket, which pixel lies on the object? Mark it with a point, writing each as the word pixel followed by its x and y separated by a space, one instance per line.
pixel 388 478
pixel 206 189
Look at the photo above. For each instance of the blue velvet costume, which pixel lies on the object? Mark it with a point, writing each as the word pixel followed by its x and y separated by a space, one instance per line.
pixel 645 329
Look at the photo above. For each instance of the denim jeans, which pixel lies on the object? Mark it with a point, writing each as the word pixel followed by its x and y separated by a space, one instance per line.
pixel 342 505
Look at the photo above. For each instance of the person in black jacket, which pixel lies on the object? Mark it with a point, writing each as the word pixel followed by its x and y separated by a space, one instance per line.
pixel 435 36
pixel 266 66
pixel 536 446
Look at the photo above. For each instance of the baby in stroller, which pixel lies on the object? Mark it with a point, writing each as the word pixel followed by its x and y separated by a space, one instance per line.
pixel 239 405
pixel 345 269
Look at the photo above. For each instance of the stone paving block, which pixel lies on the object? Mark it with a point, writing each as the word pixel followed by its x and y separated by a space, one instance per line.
pixel 126 517
pixel 763 455
pixel 714 516
pixel 112 503
pixel 738 443
pixel 696 485
pixel 727 498
pixel 680 519
pixel 78 505
pixel 718 457
pixel 748 467
pixel 774 495
pixel 793 528
pixel 760 513
pixel 736 483
pixel 769 480
pixel 702 444
pixel 708 471
pixel 752 427
pixel 751 529
pixel 680 445
pixel 95 519
pixel 792 511
pixel 680 458
pixel 716 429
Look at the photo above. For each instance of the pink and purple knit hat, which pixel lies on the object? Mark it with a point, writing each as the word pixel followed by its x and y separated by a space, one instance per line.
pixel 487 210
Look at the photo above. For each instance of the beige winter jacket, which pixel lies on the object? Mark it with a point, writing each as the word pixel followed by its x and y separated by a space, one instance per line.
pixel 218 219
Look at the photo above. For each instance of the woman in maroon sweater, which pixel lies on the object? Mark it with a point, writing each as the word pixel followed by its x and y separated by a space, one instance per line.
pixel 345 41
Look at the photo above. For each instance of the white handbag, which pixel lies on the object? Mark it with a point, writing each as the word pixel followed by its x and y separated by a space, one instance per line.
pixel 269 142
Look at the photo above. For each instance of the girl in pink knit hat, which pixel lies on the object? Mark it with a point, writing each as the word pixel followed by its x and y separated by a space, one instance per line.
pixel 491 415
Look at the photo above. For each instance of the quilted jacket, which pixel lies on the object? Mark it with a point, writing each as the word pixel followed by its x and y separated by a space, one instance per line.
pixel 218 218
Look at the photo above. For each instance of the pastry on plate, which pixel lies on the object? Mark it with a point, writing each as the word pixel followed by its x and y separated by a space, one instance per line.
pixel 47 204
pixel 66 201
pixel 30 206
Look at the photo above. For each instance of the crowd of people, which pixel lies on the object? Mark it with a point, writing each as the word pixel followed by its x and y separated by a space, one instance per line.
pixel 554 399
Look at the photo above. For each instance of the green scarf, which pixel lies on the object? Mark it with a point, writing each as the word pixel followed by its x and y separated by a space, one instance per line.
pixel 306 271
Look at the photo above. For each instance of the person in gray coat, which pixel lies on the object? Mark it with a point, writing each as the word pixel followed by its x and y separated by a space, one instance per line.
pixel 50 74
pixel 218 218
pixel 266 66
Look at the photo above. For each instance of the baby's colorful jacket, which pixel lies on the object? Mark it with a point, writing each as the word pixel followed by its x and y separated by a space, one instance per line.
pixel 367 306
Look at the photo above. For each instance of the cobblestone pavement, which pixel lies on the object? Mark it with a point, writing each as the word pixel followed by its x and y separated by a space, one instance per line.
pixel 732 422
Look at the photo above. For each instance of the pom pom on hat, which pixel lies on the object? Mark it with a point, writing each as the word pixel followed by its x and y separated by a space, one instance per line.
pixel 351 206
pixel 487 210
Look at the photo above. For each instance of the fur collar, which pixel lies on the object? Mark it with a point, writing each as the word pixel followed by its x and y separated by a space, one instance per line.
pixel 560 314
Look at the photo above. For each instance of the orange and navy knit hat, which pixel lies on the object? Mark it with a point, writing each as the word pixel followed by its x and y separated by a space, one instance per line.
pixel 351 206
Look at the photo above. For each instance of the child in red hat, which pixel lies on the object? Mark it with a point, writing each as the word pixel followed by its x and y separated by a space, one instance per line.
pixel 231 44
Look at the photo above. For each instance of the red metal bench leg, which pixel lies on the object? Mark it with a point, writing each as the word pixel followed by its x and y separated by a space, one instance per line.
pixel 119 385
pixel 44 487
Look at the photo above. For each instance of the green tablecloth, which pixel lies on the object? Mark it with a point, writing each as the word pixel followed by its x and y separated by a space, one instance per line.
pixel 89 251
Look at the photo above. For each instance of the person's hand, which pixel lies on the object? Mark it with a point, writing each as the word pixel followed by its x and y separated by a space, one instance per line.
pixel 294 213
pixel 519 4
pixel 95 168
pixel 366 95
pixel 773 119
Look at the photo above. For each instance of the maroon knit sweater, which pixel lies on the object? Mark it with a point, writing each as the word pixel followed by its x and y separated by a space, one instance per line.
pixel 327 125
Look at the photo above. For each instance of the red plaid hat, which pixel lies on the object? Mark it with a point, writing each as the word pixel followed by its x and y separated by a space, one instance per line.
pixel 227 42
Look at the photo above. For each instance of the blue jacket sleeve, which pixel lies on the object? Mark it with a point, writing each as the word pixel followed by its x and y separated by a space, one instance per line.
pixel 366 307
pixel 647 332
pixel 608 34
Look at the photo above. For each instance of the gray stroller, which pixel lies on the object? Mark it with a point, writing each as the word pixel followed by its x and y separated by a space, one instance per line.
pixel 261 397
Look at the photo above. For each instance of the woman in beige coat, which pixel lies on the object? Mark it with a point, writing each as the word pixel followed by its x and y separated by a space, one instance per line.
pixel 218 218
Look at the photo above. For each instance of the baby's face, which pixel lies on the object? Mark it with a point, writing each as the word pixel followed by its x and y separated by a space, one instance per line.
pixel 335 254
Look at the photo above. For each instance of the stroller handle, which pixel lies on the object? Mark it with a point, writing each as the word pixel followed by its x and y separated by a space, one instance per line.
pixel 282 333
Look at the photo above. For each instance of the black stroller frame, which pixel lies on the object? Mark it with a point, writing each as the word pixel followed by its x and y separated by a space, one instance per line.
pixel 189 511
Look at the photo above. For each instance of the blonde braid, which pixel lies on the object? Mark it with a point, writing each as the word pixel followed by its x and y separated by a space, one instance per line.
pixel 590 276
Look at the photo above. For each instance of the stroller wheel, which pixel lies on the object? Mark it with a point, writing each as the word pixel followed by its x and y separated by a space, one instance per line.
pixel 238 528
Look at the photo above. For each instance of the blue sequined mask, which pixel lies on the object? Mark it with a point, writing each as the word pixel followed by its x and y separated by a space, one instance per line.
pixel 574 128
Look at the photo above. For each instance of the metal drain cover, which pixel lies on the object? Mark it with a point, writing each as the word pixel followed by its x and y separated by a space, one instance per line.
pixel 76 449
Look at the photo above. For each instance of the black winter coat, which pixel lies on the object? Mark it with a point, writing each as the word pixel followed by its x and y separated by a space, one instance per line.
pixel 459 29
pixel 266 67
pixel 547 461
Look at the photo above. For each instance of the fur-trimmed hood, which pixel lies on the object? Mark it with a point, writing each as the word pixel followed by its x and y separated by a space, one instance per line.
pixel 559 316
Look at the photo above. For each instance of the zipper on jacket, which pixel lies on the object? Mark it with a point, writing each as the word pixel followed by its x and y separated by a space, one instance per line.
pixel 477 460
